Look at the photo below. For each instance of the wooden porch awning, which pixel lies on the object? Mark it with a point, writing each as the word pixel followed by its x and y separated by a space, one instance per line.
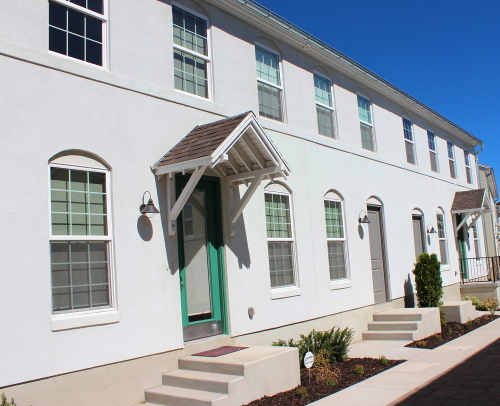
pixel 471 204
pixel 237 148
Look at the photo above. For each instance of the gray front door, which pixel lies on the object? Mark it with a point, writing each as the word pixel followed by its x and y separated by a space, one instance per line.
pixel 377 255
pixel 417 235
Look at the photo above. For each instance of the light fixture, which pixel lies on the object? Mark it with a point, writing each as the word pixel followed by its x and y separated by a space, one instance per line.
pixel 430 229
pixel 363 219
pixel 149 209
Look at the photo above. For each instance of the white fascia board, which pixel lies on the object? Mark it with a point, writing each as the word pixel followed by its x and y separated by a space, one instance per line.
pixel 182 166
pixel 226 145
pixel 271 148
pixel 309 46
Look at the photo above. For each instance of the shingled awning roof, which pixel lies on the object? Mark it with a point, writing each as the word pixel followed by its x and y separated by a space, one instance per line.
pixel 237 148
pixel 471 204
pixel 468 201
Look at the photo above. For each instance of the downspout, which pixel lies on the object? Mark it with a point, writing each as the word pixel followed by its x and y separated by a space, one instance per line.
pixel 483 220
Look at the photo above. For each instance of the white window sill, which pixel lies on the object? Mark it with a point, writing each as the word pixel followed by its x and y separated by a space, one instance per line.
pixel 281 293
pixel 340 284
pixel 69 321
pixel 445 268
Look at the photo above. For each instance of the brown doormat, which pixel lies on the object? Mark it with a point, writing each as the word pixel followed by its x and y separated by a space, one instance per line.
pixel 216 352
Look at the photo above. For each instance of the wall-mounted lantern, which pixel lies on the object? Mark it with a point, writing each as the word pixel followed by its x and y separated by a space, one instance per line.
pixel 363 219
pixel 148 209
pixel 431 229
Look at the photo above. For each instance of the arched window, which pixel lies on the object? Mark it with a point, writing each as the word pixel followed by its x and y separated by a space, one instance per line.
pixel 280 235
pixel 80 235
pixel 335 236
pixel 443 249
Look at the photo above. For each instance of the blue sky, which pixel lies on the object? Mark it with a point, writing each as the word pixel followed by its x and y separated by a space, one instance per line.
pixel 445 53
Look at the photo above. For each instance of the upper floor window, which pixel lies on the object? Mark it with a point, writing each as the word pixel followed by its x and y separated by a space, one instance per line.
pixel 409 142
pixel 268 83
pixel 366 123
pixel 451 160
pixel 190 52
pixel 280 236
pixel 76 29
pixel 468 170
pixel 443 249
pixel 80 238
pixel 335 236
pixel 431 139
pixel 324 105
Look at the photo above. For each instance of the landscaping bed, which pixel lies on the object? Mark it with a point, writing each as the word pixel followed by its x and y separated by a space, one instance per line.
pixel 324 383
pixel 450 331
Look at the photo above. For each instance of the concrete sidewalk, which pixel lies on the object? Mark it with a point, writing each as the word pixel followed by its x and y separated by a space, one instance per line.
pixel 398 383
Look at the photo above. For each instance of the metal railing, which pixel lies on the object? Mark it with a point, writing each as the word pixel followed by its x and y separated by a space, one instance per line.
pixel 482 269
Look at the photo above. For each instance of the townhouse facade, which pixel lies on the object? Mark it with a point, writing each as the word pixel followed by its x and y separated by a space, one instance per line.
pixel 291 189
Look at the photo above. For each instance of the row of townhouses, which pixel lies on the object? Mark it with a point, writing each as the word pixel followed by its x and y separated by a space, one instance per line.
pixel 201 171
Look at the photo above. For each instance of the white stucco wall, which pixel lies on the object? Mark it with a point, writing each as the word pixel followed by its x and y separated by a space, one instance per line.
pixel 130 115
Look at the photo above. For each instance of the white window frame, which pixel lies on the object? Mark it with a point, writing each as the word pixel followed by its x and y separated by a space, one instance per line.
pixel 440 212
pixel 450 147
pixel 325 106
pixel 346 281
pixel 103 17
pixel 89 316
pixel 207 58
pixel 266 82
pixel 412 141
pixel 468 170
pixel 278 292
pixel 371 125
pixel 433 151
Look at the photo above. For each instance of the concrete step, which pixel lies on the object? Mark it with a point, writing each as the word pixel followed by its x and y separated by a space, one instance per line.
pixel 389 335
pixel 392 325
pixel 174 396
pixel 397 317
pixel 203 365
pixel 198 380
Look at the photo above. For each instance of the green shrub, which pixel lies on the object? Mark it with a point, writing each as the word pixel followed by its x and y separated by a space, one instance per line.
pixel 438 337
pixel 442 314
pixel 475 302
pixel 359 369
pixel 428 281
pixel 383 360
pixel 332 344
pixel 491 305
pixel 422 344
pixel 331 382
pixel 4 401
pixel 301 392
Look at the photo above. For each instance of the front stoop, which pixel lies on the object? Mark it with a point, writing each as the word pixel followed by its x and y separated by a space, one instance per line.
pixel 228 380
pixel 404 324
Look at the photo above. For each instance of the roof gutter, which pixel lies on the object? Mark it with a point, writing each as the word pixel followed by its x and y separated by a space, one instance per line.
pixel 312 40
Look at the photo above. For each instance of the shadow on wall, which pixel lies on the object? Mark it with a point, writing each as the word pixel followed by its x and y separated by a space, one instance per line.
pixel 409 293
pixel 239 242
pixel 144 228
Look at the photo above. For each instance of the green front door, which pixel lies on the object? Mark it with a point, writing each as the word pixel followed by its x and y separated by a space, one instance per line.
pixel 201 260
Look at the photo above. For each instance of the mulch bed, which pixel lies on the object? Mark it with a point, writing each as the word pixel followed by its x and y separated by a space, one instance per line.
pixel 451 331
pixel 318 389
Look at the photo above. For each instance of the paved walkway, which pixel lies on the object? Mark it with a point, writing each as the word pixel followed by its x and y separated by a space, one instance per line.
pixel 463 372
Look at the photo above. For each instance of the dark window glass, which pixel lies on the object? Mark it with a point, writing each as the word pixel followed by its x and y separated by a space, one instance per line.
pixel 82 3
pixel 94 53
pixel 57 15
pixel 57 40
pixel 94 29
pixel 95 5
pixel 76 47
pixel 177 16
pixel 76 22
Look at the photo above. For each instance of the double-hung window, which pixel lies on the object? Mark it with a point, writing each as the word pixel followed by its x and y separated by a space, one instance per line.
pixel 324 105
pixel 280 239
pixel 77 29
pixel 468 171
pixel 431 139
pixel 335 236
pixel 451 160
pixel 80 239
pixel 409 142
pixel 443 249
pixel 191 58
pixel 366 123
pixel 269 83
pixel 475 235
